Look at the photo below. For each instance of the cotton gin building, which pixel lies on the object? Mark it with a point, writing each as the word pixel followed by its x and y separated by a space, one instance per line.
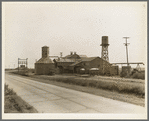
pixel 44 65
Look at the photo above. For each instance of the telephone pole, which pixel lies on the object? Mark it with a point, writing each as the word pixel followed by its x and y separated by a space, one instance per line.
pixel 126 44
pixel 61 54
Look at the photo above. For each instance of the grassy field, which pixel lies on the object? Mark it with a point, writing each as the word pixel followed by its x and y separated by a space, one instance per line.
pixel 14 104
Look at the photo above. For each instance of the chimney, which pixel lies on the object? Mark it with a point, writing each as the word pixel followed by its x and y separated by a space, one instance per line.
pixel 75 53
pixel 71 53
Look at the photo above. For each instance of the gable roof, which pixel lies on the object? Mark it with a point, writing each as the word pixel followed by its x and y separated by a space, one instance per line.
pixel 45 60
pixel 84 60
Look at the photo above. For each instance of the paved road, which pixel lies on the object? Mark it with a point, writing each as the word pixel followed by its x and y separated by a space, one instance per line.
pixel 48 98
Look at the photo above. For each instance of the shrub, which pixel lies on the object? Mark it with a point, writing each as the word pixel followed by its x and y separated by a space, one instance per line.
pixel 33 70
pixel 8 91
pixel 138 75
pixel 123 74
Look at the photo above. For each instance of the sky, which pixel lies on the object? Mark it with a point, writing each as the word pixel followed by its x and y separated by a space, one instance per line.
pixel 73 26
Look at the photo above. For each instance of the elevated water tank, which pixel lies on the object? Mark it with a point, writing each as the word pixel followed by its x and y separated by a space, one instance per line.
pixel 105 40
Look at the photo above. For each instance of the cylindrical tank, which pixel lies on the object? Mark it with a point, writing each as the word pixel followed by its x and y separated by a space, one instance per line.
pixel 104 40
pixel 45 52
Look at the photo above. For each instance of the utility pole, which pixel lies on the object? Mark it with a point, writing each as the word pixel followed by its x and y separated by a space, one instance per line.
pixel 26 63
pixel 126 44
pixel 18 64
pixel 61 54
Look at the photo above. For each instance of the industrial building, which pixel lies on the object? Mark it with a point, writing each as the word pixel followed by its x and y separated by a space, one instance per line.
pixel 75 63
pixel 81 64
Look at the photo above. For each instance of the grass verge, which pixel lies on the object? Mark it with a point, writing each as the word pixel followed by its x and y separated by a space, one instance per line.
pixel 14 104
pixel 127 87
pixel 118 86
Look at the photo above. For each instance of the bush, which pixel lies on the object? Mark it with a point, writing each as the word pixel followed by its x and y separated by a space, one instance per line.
pixel 123 74
pixel 31 70
pixel 138 75
pixel 8 91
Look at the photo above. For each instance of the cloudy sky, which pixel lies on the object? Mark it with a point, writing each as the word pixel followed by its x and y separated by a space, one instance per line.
pixel 73 26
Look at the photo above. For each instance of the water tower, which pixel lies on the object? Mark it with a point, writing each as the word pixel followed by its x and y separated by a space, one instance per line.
pixel 104 55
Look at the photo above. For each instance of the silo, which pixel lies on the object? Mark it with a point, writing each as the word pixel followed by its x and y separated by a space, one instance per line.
pixel 45 52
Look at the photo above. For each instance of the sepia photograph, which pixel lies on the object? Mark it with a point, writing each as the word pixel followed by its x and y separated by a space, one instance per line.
pixel 74 60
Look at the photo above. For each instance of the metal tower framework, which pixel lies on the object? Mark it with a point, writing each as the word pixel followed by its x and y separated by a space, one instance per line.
pixel 105 55
pixel 22 61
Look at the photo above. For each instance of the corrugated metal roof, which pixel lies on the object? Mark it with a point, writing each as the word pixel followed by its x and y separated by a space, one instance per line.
pixel 45 60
